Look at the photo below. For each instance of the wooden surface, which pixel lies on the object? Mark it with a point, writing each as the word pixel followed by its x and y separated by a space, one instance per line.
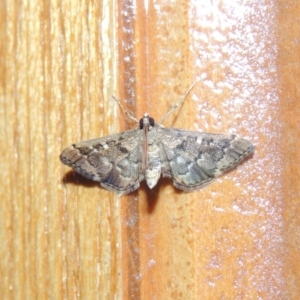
pixel 64 237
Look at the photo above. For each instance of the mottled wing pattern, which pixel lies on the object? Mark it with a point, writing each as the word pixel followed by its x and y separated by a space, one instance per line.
pixel 114 161
pixel 193 159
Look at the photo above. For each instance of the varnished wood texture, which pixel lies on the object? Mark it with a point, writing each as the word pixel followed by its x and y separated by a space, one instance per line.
pixel 64 237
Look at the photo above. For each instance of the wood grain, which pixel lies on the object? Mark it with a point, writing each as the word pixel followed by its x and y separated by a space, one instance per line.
pixel 64 237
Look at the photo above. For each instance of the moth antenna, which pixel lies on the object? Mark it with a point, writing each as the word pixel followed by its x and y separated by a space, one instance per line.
pixel 175 106
pixel 127 112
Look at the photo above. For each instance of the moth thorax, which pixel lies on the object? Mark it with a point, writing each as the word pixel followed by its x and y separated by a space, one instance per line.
pixel 146 121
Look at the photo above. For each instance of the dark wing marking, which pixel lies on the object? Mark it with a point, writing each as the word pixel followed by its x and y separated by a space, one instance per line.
pixel 193 159
pixel 114 161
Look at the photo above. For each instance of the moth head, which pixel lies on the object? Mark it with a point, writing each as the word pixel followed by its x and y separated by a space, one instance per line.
pixel 146 121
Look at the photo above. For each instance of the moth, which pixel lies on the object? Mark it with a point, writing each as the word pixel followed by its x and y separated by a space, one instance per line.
pixel 121 161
